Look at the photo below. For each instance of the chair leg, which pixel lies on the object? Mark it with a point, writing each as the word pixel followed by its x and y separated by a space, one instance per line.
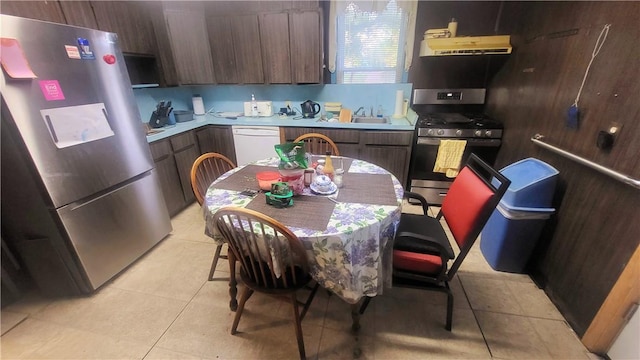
pixel 215 262
pixel 365 303
pixel 307 304
pixel 449 307
pixel 246 294
pixel 298 326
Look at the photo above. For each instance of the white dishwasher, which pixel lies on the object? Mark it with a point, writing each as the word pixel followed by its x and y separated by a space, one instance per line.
pixel 255 142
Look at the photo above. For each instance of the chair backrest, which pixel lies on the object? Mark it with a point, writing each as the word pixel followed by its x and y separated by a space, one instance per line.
pixel 205 169
pixel 470 201
pixel 318 144
pixel 271 256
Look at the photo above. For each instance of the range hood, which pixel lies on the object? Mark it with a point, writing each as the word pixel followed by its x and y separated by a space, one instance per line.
pixel 465 45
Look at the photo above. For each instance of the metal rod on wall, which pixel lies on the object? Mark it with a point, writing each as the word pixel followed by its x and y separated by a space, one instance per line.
pixel 537 139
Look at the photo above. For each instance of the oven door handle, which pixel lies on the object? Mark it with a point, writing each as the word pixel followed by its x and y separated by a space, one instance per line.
pixel 471 142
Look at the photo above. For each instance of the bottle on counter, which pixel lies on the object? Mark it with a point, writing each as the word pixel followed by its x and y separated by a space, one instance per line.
pixel 254 106
pixel 328 166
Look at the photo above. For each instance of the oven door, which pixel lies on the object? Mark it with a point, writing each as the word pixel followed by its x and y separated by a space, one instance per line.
pixel 434 186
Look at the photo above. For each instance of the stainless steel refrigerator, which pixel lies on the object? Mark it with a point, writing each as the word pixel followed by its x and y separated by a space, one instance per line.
pixel 80 198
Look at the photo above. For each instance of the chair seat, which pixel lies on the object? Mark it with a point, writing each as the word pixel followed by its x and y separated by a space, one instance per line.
pixel 423 226
pixel 416 262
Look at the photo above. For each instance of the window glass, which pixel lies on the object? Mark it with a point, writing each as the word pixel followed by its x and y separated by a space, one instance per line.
pixel 370 45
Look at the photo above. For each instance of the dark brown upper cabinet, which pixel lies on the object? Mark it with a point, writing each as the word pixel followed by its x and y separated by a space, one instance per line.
pixel 292 46
pixel 38 10
pixel 275 47
pixel 189 43
pixel 306 46
pixel 79 13
pixel 235 49
pixel 129 20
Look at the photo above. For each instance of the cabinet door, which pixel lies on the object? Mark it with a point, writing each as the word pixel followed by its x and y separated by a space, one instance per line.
pixel 388 149
pixel 187 32
pixel 39 10
pixel 246 38
pixel 78 13
pixel 394 159
pixel 306 46
pixel 217 139
pixel 184 161
pixel 276 50
pixel 129 21
pixel 222 49
pixel 185 151
pixel 165 165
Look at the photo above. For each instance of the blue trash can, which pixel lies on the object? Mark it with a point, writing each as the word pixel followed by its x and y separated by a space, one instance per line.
pixel 513 229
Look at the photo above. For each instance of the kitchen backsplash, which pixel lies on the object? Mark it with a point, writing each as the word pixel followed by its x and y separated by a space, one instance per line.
pixel 231 98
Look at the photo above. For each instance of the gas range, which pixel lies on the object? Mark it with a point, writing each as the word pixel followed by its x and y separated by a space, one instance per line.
pixel 458 125
pixel 449 114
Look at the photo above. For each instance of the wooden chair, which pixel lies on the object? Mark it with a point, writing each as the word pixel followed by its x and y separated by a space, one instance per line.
pixel 205 169
pixel 422 250
pixel 272 260
pixel 318 144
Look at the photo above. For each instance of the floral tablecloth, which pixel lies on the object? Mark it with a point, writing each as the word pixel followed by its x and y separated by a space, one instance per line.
pixel 352 257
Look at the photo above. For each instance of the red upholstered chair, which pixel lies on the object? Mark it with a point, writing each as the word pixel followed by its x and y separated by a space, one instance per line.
pixel 422 254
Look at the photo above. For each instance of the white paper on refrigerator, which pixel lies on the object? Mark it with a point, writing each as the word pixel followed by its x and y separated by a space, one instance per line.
pixel 73 125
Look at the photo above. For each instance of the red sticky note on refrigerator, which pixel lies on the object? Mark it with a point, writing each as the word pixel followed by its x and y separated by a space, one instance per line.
pixel 13 60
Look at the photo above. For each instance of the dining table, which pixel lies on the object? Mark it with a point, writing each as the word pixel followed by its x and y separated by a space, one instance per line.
pixel 348 235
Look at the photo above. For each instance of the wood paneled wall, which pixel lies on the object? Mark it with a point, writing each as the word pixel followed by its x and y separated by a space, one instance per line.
pixel 587 244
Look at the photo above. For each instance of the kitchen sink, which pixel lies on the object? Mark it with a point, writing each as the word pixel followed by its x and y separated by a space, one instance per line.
pixel 370 120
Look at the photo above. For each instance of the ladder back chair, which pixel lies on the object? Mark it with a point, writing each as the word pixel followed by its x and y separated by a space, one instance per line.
pixel 205 169
pixel 318 144
pixel 272 261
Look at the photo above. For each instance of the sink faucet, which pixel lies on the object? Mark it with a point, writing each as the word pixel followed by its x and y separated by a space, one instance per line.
pixel 363 111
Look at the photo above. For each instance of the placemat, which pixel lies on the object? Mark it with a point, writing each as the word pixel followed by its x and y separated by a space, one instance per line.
pixel 244 178
pixel 376 189
pixel 307 212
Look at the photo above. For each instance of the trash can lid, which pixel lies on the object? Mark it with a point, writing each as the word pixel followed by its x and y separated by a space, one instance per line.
pixel 524 213
pixel 527 172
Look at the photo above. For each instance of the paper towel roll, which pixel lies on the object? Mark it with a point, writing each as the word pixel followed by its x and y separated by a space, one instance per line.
pixel 399 100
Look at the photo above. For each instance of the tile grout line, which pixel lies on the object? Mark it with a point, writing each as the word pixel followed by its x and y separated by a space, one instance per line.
pixel 174 320
pixel 475 316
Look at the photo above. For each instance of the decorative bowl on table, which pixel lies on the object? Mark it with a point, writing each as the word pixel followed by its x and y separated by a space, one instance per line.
pixel 323 185
pixel 266 178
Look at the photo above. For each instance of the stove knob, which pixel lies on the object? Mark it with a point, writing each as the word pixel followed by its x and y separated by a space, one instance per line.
pixel 487 133
pixel 430 132
pixel 478 133
pixel 458 132
pixel 440 132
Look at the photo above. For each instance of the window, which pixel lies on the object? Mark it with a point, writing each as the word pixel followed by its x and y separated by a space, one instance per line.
pixel 370 42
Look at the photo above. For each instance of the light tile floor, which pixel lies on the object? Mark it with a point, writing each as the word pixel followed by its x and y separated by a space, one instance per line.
pixel 162 307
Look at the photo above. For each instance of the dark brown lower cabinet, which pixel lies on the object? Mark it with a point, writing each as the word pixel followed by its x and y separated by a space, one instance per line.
pixel 173 158
pixel 214 138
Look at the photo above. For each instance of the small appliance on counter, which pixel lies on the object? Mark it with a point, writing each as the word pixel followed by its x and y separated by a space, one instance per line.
pixel 309 109
pixel 265 108
pixel 183 115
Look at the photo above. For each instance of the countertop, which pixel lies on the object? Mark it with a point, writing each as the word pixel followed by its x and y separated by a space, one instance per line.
pixel 401 124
